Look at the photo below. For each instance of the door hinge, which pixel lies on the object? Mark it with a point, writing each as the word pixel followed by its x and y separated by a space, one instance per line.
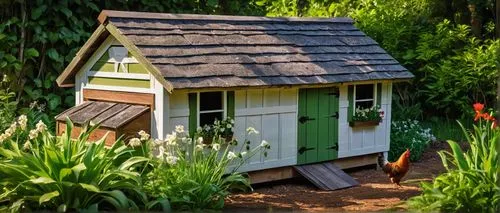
pixel 334 93
pixel 304 149
pixel 335 147
pixel 304 119
pixel 336 115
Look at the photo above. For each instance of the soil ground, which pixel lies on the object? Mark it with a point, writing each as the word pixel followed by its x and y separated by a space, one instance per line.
pixel 375 192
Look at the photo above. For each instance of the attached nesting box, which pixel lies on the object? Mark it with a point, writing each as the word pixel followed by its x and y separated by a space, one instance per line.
pixel 115 119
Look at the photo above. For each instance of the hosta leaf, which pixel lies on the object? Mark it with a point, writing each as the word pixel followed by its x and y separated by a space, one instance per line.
pixel 64 173
pixel 459 156
pixel 132 162
pixel 90 187
pixel 42 180
pixel 48 196
pixel 77 169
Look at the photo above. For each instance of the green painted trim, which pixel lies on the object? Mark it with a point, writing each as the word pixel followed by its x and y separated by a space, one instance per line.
pixel 119 82
pixel 350 98
pixel 230 104
pixel 193 106
pixel 379 94
pixel 115 32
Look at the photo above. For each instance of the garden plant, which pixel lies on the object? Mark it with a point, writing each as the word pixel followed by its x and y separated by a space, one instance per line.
pixel 471 182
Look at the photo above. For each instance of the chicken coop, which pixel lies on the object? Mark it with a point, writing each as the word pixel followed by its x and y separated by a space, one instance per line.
pixel 299 81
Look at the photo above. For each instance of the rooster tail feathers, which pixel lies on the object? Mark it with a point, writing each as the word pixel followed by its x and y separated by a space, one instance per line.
pixel 381 160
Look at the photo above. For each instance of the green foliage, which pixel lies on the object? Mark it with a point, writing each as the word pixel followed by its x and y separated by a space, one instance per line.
pixel 7 109
pixel 49 172
pixel 368 114
pixel 471 183
pixel 409 134
pixel 193 175
pixel 218 129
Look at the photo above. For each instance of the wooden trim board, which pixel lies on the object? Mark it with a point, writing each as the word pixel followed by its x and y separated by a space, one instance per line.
pixel 120 97
pixel 287 172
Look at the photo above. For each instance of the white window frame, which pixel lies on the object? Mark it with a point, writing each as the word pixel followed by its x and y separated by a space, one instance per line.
pixel 223 110
pixel 367 99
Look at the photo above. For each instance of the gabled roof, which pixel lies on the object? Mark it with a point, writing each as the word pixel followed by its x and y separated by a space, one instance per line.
pixel 206 51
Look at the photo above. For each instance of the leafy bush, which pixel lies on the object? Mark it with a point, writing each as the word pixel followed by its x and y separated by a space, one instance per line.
pixel 409 134
pixel 49 172
pixel 471 183
pixel 193 175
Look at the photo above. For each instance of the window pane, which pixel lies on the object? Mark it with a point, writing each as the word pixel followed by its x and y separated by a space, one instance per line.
pixel 364 91
pixel 210 101
pixel 209 118
pixel 364 104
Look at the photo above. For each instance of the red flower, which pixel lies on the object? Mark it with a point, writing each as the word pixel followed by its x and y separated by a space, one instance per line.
pixel 478 107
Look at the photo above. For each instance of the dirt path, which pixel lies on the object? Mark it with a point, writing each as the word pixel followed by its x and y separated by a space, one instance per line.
pixel 375 192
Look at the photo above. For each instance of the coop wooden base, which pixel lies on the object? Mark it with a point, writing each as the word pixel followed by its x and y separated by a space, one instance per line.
pixel 287 172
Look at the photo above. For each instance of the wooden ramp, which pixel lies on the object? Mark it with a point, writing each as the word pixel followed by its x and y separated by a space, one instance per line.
pixel 326 176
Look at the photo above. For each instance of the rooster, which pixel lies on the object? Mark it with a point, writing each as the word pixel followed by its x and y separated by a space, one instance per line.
pixel 395 170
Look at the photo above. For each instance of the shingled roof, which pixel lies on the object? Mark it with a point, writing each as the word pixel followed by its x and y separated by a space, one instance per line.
pixel 205 51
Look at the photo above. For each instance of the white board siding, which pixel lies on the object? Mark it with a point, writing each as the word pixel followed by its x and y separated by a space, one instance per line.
pixel 364 140
pixel 179 111
pixel 273 112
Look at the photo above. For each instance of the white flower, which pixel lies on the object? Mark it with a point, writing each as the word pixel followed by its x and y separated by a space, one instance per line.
pixel 134 142
pixel 179 129
pixel 27 145
pixel 158 142
pixel 199 140
pixel 264 143
pixel 231 155
pixel 216 147
pixel 2 137
pixel 251 130
pixel 232 121
pixel 144 136
pixel 199 147
pixel 171 138
pixel 33 134
pixel 161 152
pixel 10 131
pixel 40 126
pixel 222 130
pixel 243 154
pixel 207 128
pixel 229 126
pixel 172 160
pixel 92 123
pixel 199 129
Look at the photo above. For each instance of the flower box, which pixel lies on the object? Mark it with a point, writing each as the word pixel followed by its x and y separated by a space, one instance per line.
pixel 364 123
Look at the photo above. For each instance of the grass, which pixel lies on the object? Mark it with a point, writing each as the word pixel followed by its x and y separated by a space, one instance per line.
pixel 445 129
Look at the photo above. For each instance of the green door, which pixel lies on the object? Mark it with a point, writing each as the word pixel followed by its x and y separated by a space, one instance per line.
pixel 317 125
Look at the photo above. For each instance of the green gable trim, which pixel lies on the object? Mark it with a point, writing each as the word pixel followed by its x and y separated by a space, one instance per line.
pixel 230 104
pixel 379 94
pixel 103 65
pixel 193 114
pixel 350 98
pixel 119 82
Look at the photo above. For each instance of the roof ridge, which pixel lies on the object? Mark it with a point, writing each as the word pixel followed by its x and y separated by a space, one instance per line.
pixel 106 14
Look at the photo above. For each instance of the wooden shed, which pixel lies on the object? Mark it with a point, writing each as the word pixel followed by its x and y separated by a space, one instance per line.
pixel 297 80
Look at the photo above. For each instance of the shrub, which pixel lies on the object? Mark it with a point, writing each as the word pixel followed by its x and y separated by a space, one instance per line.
pixel 49 172
pixel 471 183
pixel 409 134
pixel 193 175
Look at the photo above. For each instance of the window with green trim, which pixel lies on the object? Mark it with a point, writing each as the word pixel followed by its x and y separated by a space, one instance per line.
pixel 365 96
pixel 211 107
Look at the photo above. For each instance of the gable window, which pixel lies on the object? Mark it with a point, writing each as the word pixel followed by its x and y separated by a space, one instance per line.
pixel 365 96
pixel 211 106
